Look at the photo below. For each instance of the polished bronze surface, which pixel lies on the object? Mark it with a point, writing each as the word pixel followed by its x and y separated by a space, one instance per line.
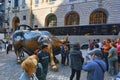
pixel 30 40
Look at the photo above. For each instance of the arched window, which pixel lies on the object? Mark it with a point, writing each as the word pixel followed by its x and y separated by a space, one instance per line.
pixel 15 23
pixel 51 20
pixel 72 18
pixel 98 17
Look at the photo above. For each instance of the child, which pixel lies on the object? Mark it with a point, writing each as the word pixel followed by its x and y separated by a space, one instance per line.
pixel 29 66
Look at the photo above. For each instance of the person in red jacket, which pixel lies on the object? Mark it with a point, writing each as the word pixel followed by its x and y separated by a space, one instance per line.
pixel 118 49
pixel 106 49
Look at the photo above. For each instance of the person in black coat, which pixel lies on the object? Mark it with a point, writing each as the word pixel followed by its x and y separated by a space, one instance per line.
pixel 44 58
pixel 76 60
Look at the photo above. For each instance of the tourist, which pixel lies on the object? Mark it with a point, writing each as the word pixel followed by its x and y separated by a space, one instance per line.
pixel 95 68
pixel 29 66
pixel 76 61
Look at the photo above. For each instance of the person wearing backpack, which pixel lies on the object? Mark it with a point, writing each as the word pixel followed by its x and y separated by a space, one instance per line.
pixel 75 61
pixel 95 68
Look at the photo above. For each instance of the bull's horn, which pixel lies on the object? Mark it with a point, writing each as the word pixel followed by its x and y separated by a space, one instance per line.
pixel 67 38
pixel 64 39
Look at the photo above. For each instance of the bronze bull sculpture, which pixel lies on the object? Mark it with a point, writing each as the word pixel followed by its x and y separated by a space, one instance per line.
pixel 30 40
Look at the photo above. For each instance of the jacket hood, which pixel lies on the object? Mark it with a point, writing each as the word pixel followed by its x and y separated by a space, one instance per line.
pixel 75 52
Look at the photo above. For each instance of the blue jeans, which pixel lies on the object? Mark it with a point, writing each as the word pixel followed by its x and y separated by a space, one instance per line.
pixel 112 67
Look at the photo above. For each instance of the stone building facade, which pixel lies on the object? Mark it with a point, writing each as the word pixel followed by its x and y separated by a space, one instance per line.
pixel 1 15
pixel 49 13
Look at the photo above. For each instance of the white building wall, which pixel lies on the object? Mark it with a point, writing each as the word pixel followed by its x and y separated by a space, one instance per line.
pixel 113 7
pixel 61 7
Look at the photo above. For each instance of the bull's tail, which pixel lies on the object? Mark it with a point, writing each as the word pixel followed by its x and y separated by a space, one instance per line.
pixel 17 27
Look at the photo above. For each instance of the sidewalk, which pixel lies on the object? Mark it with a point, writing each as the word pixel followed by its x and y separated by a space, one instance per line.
pixel 65 71
pixel 10 70
pixel 3 50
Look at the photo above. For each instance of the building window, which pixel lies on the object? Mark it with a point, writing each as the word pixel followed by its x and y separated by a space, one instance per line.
pixel 72 18
pixel 51 20
pixel 72 0
pixel 36 1
pixel 24 17
pixel 16 3
pixel 23 3
pixel 98 17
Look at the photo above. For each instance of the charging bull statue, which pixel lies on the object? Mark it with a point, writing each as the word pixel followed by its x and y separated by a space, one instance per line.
pixel 30 40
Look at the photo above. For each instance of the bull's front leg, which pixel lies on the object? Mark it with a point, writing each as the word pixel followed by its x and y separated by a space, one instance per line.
pixel 53 66
pixel 19 60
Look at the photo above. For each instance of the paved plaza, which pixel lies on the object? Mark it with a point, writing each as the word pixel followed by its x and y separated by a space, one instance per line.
pixel 10 70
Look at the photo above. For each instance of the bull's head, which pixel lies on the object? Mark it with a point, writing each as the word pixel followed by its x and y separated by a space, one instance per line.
pixel 64 39
pixel 44 39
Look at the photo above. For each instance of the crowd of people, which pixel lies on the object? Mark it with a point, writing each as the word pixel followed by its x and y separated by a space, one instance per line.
pixel 6 45
pixel 103 57
pixel 110 51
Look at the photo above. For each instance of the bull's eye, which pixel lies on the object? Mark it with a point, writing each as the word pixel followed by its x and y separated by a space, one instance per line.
pixel 41 38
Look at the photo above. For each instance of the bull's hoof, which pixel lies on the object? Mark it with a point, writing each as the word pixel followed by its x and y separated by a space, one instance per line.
pixel 19 62
pixel 55 68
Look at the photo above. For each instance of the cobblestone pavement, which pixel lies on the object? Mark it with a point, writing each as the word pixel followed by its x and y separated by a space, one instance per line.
pixel 10 70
